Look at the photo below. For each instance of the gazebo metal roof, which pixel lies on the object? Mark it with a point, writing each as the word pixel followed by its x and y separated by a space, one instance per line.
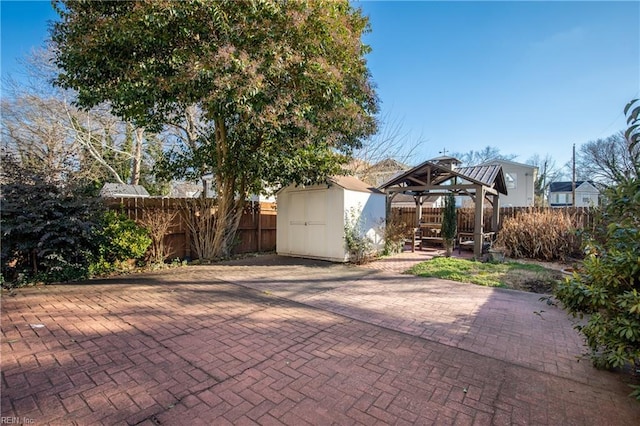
pixel 431 176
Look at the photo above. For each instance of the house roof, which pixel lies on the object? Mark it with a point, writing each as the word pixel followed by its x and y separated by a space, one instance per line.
pixel 185 190
pixel 501 161
pixel 116 190
pixel 567 186
pixel 430 176
pixel 353 184
pixel 388 165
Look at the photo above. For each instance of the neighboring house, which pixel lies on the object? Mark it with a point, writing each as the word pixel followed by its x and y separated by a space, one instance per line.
pixel 561 194
pixel 404 200
pixel 263 198
pixel 185 190
pixel 119 190
pixel 194 190
pixel 520 180
pixel 382 171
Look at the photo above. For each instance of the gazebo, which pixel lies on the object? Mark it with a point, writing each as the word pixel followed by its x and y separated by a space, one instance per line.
pixel 440 176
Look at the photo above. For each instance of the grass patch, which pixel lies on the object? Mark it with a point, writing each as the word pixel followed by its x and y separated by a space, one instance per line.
pixel 514 275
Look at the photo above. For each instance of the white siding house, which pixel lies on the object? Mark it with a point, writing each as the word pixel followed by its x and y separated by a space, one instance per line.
pixel 311 220
pixel 561 194
pixel 520 180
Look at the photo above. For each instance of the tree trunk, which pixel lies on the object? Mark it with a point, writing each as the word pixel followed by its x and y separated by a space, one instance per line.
pixel 136 161
pixel 228 187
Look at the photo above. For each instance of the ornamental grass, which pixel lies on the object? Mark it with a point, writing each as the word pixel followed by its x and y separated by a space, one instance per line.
pixel 543 235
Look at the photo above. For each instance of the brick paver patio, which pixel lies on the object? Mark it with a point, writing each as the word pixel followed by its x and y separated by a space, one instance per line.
pixel 272 340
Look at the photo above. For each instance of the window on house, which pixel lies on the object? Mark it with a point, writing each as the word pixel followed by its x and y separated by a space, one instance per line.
pixel 511 179
pixel 561 198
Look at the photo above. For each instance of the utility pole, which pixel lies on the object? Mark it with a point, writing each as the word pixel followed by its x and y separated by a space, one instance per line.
pixel 573 178
pixel 544 185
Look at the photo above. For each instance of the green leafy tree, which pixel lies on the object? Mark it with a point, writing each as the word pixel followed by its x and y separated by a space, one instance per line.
pixel 280 91
pixel 607 288
pixel 449 223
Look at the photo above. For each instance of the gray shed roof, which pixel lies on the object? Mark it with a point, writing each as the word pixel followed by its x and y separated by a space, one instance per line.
pixel 117 190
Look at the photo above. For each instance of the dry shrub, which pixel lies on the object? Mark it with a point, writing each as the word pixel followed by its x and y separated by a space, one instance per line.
pixel 396 231
pixel 544 235
pixel 158 223
pixel 199 216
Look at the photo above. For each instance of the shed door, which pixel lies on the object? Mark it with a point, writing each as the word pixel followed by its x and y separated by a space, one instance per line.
pixel 297 223
pixel 308 223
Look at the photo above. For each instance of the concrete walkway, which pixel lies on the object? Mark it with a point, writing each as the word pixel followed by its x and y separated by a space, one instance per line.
pixel 273 340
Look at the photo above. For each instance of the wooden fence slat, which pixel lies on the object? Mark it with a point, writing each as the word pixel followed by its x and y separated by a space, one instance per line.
pixel 582 216
pixel 256 232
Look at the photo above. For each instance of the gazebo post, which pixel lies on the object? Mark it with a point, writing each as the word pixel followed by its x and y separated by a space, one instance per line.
pixel 478 231
pixel 418 199
pixel 390 198
pixel 495 217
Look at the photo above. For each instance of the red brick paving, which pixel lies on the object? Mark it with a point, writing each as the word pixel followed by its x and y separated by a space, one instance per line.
pixel 221 344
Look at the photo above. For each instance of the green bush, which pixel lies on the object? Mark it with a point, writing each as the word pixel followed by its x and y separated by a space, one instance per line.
pixel 119 239
pixel 46 227
pixel 359 245
pixel 607 287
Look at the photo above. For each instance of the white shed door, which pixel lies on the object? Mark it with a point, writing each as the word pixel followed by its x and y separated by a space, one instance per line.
pixel 308 223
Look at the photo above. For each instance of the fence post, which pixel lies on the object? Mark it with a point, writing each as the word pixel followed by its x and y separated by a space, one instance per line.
pixel 259 215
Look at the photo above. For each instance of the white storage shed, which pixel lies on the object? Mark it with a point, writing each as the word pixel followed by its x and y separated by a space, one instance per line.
pixel 311 219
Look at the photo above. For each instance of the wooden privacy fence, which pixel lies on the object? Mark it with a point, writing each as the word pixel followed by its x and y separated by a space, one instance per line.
pixel 256 232
pixel 582 217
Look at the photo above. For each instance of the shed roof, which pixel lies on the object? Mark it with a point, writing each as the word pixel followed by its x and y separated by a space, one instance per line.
pixel 115 190
pixel 353 184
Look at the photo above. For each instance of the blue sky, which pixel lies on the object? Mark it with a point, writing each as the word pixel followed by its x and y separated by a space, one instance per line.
pixel 525 77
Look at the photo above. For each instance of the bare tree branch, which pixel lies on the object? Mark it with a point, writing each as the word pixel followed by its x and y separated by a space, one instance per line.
pixel 608 161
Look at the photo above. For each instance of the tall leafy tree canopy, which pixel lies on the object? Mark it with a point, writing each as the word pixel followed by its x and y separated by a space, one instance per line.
pixel 282 89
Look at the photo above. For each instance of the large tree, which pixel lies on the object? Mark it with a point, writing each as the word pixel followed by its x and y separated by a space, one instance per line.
pixel 44 132
pixel 282 88
pixel 609 161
